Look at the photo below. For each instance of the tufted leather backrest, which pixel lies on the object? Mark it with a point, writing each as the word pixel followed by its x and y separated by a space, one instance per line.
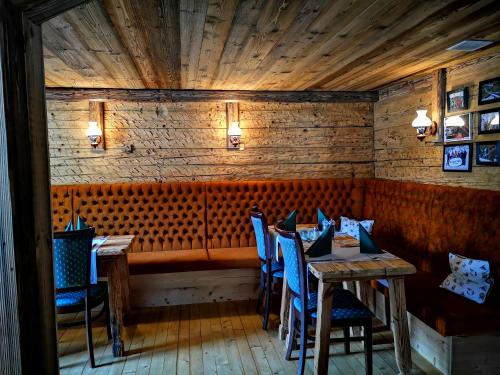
pixel 423 223
pixel 229 204
pixel 62 206
pixel 163 216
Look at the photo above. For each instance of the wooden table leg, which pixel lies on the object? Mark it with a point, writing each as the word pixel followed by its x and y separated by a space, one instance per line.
pixel 323 326
pixel 119 304
pixel 400 329
pixel 285 311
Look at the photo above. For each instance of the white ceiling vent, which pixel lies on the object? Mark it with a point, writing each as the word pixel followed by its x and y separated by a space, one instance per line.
pixel 469 45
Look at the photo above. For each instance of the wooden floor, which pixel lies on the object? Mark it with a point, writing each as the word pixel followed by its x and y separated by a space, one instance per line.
pixel 215 338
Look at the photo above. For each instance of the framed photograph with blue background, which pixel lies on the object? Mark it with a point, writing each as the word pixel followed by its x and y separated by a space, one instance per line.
pixel 457 157
pixel 488 153
pixel 489 91
pixel 489 121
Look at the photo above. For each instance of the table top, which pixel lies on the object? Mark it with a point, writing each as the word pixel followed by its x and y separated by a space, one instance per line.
pixel 347 263
pixel 115 245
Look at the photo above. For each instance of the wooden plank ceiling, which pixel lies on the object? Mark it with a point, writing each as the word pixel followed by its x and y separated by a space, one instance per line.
pixel 260 44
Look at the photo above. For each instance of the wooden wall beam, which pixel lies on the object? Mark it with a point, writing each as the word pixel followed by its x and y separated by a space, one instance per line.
pixel 25 175
pixel 41 11
pixel 438 101
pixel 147 95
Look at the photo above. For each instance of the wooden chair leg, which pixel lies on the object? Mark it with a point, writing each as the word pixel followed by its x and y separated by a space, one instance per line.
pixel 267 305
pixel 303 347
pixel 88 323
pixel 291 342
pixel 368 348
pixel 347 340
pixel 108 316
pixel 261 291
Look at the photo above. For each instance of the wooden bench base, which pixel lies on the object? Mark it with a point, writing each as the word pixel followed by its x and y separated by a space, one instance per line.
pixel 456 354
pixel 183 288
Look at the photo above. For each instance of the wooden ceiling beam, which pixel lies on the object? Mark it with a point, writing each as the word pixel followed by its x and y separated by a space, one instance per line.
pixel 40 11
pixel 146 95
pixel 459 19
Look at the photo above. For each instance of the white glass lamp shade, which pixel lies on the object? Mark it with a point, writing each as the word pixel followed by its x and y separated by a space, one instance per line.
pixel 93 130
pixel 455 121
pixel 234 129
pixel 421 121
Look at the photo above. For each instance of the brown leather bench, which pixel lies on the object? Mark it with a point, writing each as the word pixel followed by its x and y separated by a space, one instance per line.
pixel 422 224
pixel 206 226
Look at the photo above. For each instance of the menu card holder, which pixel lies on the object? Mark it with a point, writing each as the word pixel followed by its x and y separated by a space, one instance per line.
pixel 323 245
pixel 366 243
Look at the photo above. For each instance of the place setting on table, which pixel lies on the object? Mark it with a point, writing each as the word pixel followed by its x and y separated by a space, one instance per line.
pixel 352 257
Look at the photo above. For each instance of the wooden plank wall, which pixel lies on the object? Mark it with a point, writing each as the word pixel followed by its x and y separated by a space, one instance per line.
pixel 398 153
pixel 187 142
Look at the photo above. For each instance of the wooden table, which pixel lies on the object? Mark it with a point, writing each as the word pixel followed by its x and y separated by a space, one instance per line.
pixel 333 272
pixel 112 266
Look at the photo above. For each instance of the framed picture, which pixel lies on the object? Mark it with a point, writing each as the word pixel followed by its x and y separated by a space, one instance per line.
pixel 489 91
pixel 488 153
pixel 488 121
pixel 458 100
pixel 457 157
pixel 458 128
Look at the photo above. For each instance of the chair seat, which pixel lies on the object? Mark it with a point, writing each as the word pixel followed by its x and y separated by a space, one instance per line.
pixel 277 269
pixel 77 297
pixel 345 306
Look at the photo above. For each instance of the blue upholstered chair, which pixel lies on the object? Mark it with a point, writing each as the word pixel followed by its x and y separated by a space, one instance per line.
pixel 347 310
pixel 269 269
pixel 74 293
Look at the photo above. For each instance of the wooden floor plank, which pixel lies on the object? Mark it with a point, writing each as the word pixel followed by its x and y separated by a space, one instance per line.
pixel 195 347
pixel 183 342
pixel 216 338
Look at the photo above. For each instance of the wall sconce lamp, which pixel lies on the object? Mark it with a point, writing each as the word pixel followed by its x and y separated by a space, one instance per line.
pixel 233 127
pixel 234 133
pixel 422 122
pixel 94 134
pixel 95 131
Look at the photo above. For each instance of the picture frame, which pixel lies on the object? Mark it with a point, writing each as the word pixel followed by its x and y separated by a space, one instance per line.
pixel 454 131
pixel 457 157
pixel 489 121
pixel 488 153
pixel 489 91
pixel 458 100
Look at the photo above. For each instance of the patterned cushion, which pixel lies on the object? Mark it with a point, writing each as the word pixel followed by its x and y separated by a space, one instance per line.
pixel 277 269
pixel 351 226
pixel 469 278
pixel 64 299
pixel 345 306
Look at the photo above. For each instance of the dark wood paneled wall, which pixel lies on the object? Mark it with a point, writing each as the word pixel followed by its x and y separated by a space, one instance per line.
pixel 186 141
pixel 398 153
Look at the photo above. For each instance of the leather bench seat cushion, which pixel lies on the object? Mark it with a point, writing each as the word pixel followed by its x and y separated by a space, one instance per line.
pixel 448 313
pixel 167 261
pixel 228 258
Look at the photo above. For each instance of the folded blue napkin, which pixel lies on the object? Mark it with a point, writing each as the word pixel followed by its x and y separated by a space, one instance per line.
pixel 69 227
pixel 290 223
pixel 321 218
pixel 366 243
pixel 80 224
pixel 323 245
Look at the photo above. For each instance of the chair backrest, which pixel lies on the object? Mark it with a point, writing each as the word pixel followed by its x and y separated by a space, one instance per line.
pixel 261 233
pixel 295 264
pixel 72 258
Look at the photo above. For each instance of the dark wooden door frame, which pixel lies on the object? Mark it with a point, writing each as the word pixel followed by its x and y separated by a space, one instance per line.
pixel 28 343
